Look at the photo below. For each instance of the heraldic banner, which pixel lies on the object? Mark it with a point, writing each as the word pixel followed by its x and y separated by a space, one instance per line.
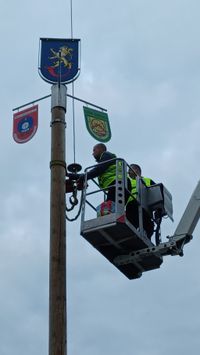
pixel 59 60
pixel 25 124
pixel 97 124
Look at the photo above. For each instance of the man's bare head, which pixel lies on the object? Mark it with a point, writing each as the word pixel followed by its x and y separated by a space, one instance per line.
pixel 98 149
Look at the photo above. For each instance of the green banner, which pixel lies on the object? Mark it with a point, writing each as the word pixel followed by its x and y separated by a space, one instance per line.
pixel 97 124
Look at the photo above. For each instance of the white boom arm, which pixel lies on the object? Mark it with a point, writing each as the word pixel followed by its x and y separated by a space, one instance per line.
pixel 191 215
pixel 182 235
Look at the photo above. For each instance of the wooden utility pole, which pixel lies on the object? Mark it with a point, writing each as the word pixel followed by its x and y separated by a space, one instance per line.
pixel 57 269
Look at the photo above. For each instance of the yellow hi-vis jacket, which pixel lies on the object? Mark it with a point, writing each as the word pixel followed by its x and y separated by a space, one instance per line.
pixel 109 175
pixel 147 181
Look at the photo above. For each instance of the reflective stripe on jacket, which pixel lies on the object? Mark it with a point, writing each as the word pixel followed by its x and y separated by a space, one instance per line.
pixel 147 182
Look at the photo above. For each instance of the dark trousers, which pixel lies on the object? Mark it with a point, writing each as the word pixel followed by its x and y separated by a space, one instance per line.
pixel 132 214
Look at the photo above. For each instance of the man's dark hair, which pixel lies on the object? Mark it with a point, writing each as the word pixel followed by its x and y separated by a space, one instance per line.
pixel 136 167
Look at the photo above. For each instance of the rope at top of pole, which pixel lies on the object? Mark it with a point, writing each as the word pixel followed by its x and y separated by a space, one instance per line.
pixel 73 104
pixel 71 17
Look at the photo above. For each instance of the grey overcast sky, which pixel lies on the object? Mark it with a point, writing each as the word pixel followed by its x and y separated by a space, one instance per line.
pixel 141 60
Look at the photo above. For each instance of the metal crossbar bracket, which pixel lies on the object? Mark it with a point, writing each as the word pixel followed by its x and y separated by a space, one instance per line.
pixel 173 247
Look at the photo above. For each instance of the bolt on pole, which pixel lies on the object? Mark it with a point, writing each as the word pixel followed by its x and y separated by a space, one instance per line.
pixel 57 267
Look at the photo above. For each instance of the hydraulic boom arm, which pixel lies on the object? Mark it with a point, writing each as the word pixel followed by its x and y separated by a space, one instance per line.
pixel 182 235
pixel 190 216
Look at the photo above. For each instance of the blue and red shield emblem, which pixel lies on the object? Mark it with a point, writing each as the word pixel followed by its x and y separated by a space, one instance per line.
pixel 25 124
pixel 59 60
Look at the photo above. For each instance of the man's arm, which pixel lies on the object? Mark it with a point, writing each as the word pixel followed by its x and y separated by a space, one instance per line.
pixel 99 169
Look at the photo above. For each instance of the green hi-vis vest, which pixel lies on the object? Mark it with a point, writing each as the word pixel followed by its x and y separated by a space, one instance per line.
pixel 108 176
pixel 147 182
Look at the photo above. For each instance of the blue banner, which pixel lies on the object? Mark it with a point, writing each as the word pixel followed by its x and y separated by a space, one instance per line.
pixel 59 60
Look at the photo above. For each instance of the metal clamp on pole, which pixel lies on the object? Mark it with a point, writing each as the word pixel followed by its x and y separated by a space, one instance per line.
pixel 57 162
pixel 58 103
pixel 58 97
